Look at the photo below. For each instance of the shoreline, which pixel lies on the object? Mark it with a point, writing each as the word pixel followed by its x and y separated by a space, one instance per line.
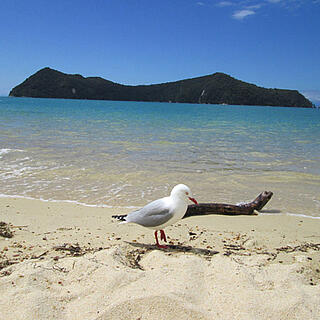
pixel 75 261
pixel 75 202
pixel 162 102
pixel 264 212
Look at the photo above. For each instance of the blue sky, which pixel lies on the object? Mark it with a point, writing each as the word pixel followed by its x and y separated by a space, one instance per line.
pixel 272 43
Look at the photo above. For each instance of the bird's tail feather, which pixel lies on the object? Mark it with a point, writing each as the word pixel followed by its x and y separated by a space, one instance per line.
pixel 120 217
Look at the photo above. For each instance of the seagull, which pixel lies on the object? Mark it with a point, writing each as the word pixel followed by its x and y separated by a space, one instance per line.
pixel 161 213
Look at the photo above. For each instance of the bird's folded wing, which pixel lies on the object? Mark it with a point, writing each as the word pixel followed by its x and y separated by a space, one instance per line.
pixel 153 214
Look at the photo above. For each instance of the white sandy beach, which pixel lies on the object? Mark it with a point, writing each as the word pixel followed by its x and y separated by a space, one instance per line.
pixel 267 266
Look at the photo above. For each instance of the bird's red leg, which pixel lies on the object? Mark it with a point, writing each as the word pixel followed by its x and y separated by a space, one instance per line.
pixel 163 236
pixel 157 241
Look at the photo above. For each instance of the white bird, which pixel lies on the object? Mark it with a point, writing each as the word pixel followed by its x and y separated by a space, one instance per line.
pixel 161 213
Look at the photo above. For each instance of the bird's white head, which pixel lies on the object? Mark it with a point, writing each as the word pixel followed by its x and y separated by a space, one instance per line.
pixel 183 192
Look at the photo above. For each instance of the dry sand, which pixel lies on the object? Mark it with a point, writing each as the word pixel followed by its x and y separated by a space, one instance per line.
pixel 74 262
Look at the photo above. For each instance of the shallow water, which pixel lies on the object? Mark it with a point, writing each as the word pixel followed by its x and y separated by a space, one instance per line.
pixel 127 153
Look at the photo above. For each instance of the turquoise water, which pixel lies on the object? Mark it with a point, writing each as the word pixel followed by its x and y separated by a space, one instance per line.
pixel 126 153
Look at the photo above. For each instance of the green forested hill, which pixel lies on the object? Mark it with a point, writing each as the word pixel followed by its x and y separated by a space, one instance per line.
pixel 217 88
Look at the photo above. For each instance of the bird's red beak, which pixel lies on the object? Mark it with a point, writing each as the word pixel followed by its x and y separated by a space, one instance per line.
pixel 193 200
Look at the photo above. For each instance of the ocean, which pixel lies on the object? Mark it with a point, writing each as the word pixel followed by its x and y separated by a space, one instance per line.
pixel 124 154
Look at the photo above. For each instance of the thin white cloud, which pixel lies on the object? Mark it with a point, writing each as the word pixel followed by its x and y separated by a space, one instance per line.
pixel 253 7
pixel 199 3
pixel 245 8
pixel 225 4
pixel 241 14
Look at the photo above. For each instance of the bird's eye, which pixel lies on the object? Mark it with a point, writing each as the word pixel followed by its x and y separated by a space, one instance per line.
pixel 187 193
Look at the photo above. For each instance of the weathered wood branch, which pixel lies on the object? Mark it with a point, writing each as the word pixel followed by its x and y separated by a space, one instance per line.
pixel 229 209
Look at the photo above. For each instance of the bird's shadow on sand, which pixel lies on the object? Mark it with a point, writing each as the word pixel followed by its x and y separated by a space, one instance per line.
pixel 174 248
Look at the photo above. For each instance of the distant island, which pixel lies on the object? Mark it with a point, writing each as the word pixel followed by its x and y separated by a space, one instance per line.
pixel 217 88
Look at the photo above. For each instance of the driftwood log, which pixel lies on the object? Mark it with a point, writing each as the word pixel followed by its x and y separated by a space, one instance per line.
pixel 229 209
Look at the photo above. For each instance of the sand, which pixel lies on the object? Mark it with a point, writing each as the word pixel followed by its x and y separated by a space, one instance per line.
pixel 69 261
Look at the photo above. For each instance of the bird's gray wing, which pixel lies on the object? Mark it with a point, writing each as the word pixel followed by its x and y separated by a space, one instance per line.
pixel 153 214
